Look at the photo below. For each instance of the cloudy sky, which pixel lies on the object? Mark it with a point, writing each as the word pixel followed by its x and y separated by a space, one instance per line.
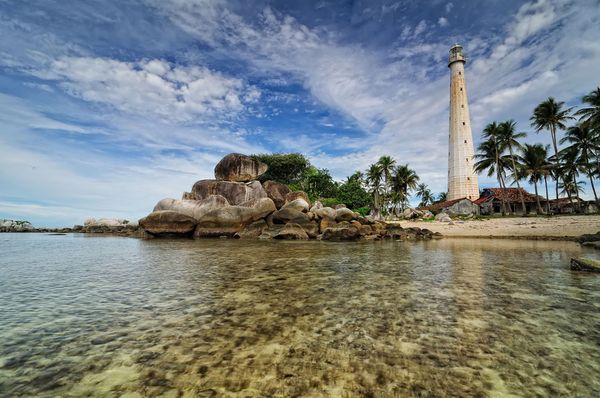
pixel 108 106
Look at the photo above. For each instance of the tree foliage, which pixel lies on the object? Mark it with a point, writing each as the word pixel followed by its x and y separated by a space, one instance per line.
pixel 286 168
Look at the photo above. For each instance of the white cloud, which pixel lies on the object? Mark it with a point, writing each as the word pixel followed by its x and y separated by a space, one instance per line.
pixel 401 102
pixel 443 22
pixel 421 28
pixel 152 87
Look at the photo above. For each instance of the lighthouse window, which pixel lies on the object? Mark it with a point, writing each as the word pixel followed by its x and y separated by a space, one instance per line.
pixel 465 141
pixel 461 89
pixel 460 73
pixel 463 123
pixel 462 105
pixel 468 178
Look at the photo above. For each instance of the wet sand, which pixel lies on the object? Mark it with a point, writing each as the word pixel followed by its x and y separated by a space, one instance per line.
pixel 560 227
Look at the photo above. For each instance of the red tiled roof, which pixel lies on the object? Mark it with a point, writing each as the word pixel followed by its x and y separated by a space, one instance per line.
pixel 508 194
pixel 482 199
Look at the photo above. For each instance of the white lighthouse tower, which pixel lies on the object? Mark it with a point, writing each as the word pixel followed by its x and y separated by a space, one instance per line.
pixel 462 180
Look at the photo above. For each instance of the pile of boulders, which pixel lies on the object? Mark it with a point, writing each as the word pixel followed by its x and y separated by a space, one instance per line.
pixel 15 226
pixel 415 214
pixel 235 204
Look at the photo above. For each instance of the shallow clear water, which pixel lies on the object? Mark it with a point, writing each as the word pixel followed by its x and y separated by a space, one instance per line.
pixel 110 316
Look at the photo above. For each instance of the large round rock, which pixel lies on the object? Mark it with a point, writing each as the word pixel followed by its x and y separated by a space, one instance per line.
pixel 236 193
pixel 228 221
pixel 240 168
pixel 168 222
pixel 193 208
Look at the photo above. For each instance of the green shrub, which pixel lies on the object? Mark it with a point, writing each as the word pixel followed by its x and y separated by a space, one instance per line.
pixel 363 211
pixel 329 202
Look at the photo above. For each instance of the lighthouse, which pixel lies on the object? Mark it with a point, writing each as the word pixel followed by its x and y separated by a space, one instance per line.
pixel 462 180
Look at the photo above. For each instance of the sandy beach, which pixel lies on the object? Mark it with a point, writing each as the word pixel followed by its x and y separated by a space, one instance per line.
pixel 565 227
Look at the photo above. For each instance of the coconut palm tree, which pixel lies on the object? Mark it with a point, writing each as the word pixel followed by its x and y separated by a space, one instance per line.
pixel 533 165
pixel 508 138
pixel 374 181
pixel 442 197
pixel 404 179
pixel 386 164
pixel 568 171
pixel 584 146
pixel 425 194
pixel 491 158
pixel 591 114
pixel 551 115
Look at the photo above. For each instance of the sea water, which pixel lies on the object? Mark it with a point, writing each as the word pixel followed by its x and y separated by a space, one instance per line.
pixel 122 317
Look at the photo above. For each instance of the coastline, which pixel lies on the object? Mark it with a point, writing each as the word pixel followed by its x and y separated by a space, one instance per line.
pixel 568 228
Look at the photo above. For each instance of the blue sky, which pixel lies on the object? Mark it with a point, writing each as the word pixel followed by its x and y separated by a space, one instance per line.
pixel 110 106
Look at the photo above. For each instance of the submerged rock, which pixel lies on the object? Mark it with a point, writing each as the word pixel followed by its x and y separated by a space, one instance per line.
pixel 585 264
pixel 341 232
pixel 291 231
pixel 168 222
pixel 240 168
pixel 253 230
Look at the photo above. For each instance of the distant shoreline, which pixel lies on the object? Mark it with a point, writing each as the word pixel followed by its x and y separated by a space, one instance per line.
pixel 567 228
pixel 561 228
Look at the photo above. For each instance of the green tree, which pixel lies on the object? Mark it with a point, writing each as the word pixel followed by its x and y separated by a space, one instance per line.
pixel 591 115
pixel 491 158
pixel 568 171
pixel 533 166
pixel 286 168
pixel 551 115
pixel 425 194
pixel 317 183
pixel 374 181
pixel 404 179
pixel 353 193
pixel 508 138
pixel 442 197
pixel 584 146
pixel 386 164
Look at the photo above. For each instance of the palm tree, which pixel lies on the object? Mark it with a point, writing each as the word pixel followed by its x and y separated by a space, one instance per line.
pixel 442 197
pixel 507 138
pixel 591 114
pixel 425 194
pixel 584 146
pixel 568 171
pixel 404 179
pixel 550 115
pixel 386 164
pixel 491 158
pixel 533 165
pixel 374 180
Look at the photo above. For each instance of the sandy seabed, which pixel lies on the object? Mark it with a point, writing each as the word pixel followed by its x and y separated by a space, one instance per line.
pixel 527 227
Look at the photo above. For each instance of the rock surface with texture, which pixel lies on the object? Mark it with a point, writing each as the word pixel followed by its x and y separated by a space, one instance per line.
pixel 276 191
pixel 168 222
pixel 235 192
pixel 239 168
pixel 238 206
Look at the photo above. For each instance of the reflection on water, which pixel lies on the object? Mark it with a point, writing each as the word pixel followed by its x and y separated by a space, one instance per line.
pixel 98 316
